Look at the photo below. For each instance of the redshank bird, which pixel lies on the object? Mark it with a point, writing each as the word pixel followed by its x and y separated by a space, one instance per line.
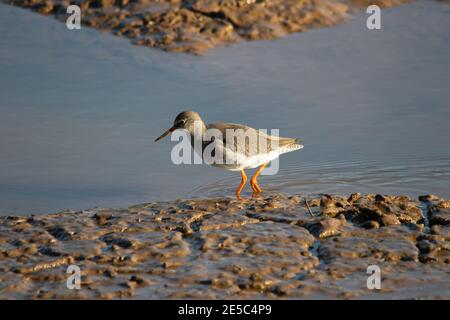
pixel 236 154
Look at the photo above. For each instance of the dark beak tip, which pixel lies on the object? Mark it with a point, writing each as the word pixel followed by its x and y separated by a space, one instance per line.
pixel 165 134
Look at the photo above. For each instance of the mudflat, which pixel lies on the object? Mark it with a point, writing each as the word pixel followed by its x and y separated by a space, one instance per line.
pixel 273 246
pixel 195 26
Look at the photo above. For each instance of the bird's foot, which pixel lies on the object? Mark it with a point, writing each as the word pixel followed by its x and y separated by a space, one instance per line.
pixel 256 194
pixel 255 186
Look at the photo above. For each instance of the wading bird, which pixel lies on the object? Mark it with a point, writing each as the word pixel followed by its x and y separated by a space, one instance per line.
pixel 247 148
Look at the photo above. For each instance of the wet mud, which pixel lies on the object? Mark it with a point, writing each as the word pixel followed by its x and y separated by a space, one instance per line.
pixel 195 26
pixel 273 246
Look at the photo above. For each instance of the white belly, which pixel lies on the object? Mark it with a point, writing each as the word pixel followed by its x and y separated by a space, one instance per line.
pixel 243 162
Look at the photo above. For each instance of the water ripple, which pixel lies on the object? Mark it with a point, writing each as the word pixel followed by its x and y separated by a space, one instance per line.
pixel 411 176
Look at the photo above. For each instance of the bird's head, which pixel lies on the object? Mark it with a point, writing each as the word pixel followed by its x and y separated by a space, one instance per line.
pixel 184 120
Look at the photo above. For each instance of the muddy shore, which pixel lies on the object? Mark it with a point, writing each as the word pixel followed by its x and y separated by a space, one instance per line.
pixel 195 26
pixel 273 246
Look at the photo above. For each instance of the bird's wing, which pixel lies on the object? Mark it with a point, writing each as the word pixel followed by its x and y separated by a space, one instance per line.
pixel 257 141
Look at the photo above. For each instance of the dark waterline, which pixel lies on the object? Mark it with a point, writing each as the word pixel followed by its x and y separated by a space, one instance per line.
pixel 79 110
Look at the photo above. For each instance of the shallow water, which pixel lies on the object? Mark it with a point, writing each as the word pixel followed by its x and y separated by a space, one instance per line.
pixel 80 110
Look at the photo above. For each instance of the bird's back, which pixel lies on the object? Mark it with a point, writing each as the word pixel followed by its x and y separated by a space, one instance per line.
pixel 249 147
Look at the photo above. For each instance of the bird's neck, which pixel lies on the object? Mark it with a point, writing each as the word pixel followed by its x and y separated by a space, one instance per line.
pixel 197 131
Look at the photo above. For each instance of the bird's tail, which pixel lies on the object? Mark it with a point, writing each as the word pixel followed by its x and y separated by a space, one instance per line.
pixel 291 145
pixel 298 141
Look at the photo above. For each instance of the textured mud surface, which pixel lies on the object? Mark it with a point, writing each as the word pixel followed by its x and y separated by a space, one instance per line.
pixel 269 247
pixel 195 26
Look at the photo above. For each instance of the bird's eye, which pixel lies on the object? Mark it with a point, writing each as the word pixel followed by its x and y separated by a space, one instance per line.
pixel 182 121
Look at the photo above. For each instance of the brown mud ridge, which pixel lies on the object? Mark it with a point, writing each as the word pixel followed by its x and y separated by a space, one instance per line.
pixel 195 26
pixel 277 247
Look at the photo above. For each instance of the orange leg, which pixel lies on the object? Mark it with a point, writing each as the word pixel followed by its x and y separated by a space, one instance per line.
pixel 243 181
pixel 253 182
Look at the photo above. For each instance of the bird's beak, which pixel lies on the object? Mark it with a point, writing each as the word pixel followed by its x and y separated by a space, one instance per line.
pixel 165 134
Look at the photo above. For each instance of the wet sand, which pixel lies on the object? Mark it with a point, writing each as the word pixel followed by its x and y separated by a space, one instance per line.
pixel 273 246
pixel 195 26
